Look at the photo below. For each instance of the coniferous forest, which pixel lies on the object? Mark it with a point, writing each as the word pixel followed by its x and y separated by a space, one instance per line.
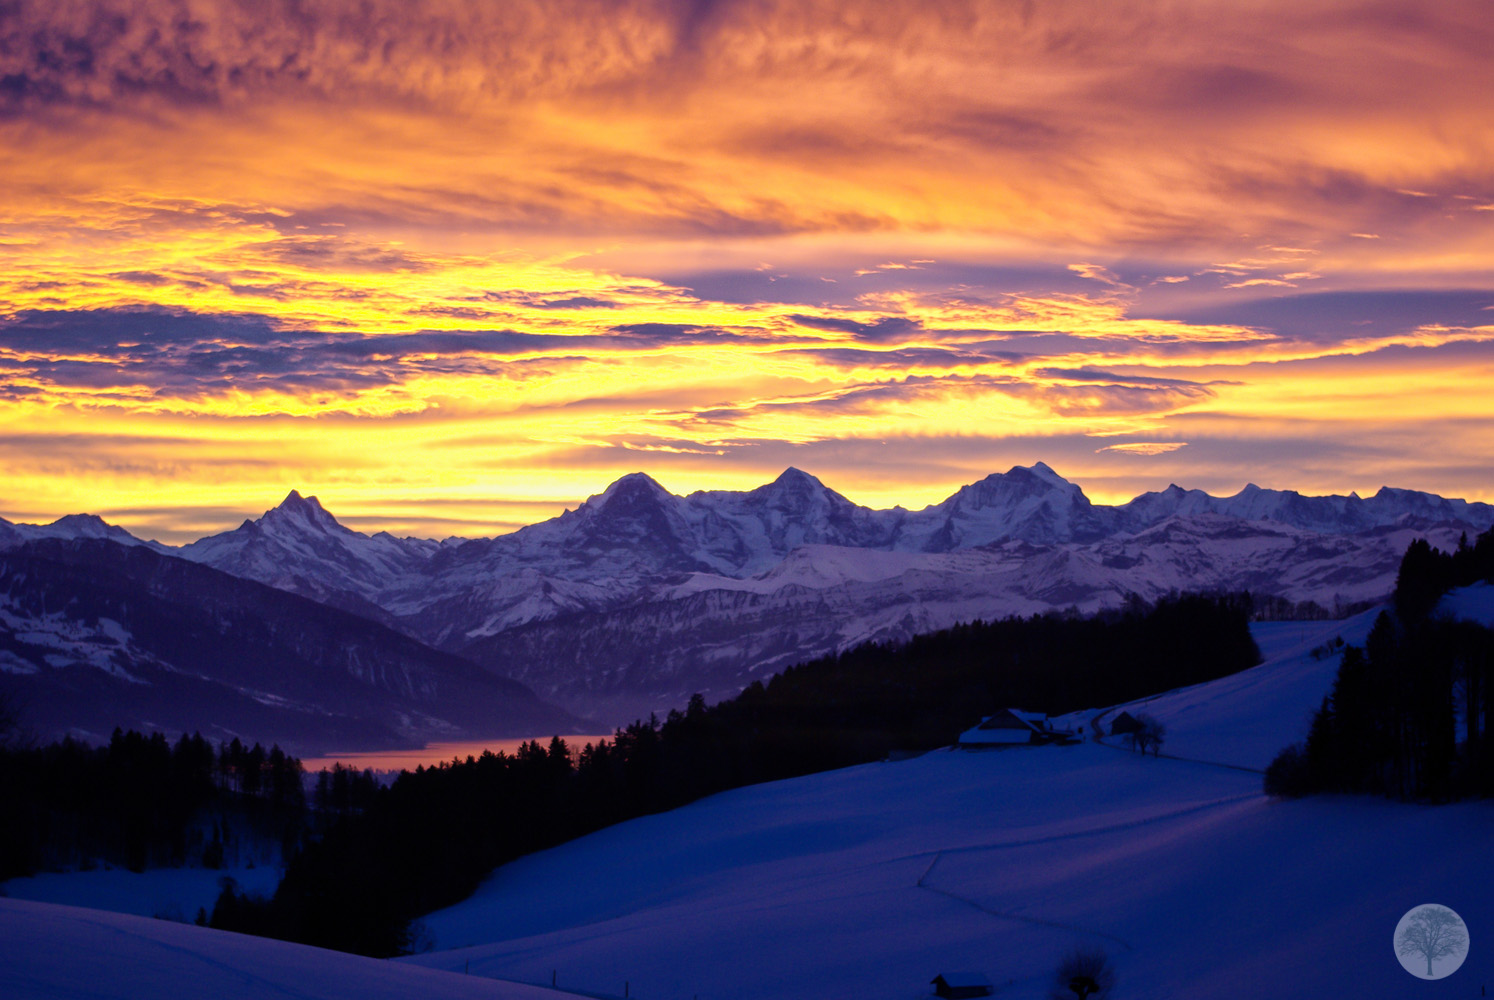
pixel 429 838
pixel 1408 714
pixel 141 802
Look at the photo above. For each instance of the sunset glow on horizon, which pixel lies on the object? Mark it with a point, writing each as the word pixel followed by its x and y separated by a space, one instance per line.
pixel 454 267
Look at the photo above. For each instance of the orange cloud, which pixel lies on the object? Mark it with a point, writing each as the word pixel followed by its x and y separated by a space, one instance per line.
pixel 365 237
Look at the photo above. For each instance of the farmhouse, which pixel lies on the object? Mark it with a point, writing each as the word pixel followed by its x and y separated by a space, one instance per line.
pixel 1010 725
pixel 1123 724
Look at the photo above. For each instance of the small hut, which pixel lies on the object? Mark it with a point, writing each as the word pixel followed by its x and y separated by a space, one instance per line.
pixel 1123 724
pixel 954 985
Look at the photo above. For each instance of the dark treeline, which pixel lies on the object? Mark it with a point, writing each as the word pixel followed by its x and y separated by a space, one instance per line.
pixel 428 839
pixel 1427 573
pixel 1408 714
pixel 1271 608
pixel 142 802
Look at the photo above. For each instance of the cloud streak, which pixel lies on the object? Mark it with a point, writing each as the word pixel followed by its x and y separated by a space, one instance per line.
pixel 454 248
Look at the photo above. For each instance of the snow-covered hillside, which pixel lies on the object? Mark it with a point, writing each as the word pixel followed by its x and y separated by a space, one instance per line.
pixel 1246 718
pixel 51 952
pixel 866 882
pixel 95 635
pixel 169 893
pixel 1474 604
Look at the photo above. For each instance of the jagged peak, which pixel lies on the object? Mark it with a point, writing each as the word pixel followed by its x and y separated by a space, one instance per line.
pixel 632 484
pixel 1038 472
pixel 295 501
pixel 306 509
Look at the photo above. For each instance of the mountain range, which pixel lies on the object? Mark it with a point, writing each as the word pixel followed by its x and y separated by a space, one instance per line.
pixel 639 597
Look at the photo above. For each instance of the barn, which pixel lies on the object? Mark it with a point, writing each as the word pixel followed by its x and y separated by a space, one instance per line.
pixel 1006 727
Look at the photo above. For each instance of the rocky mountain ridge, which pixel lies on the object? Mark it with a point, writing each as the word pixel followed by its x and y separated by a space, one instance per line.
pixel 640 596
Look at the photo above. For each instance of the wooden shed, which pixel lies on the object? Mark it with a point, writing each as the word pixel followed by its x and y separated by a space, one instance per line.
pixel 1123 724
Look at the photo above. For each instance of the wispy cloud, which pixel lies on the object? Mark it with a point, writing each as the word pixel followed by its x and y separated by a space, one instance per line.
pixel 1143 447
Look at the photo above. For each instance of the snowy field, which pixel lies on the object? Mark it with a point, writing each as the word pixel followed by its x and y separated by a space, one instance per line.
pixel 867 882
pixel 1246 718
pixel 51 952
pixel 169 893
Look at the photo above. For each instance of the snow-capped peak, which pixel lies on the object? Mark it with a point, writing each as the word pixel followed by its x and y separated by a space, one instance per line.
pixel 299 510
pixel 83 526
pixel 300 546
pixel 1017 484
pixel 70 528
pixel 797 490
pixel 1044 472
pixel 631 488
pixel 792 478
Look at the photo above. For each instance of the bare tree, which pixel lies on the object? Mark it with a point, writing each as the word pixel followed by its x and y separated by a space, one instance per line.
pixel 1138 739
pixel 1148 734
pixel 1084 973
pixel 1156 733
pixel 1434 932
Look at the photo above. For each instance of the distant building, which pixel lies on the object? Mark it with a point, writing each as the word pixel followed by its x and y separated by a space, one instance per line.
pixel 1123 724
pixel 961 984
pixel 1008 726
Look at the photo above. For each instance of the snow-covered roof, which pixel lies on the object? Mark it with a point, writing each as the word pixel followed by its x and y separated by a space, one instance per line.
pixel 1010 725
pixel 1013 718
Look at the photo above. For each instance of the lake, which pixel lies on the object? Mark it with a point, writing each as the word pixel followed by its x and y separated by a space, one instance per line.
pixel 436 753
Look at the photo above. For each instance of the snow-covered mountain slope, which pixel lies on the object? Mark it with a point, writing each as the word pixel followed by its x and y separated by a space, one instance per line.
pixel 299 547
pixel 71 527
pixel 715 634
pixel 1031 505
pixel 50 952
pixel 866 882
pixel 1330 514
pixel 95 635
pixel 746 533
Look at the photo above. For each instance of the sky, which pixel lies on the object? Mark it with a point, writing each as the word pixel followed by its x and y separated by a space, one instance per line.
pixel 453 267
